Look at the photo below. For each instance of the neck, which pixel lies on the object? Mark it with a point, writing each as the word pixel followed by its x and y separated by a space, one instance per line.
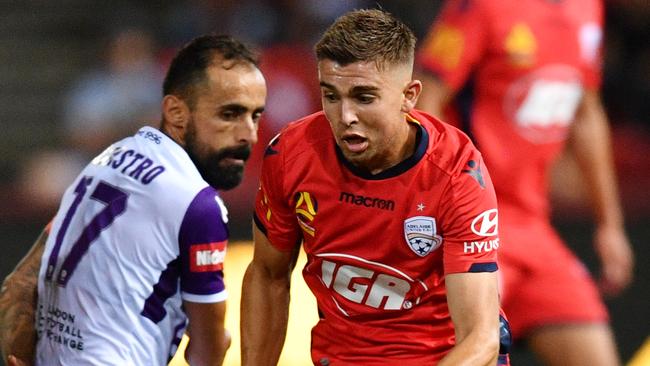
pixel 171 133
pixel 406 141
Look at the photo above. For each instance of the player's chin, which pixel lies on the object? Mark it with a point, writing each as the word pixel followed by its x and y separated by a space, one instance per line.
pixel 361 160
pixel 354 156
pixel 226 177
pixel 230 166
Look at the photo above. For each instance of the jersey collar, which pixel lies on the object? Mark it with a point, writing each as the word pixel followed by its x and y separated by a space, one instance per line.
pixel 421 143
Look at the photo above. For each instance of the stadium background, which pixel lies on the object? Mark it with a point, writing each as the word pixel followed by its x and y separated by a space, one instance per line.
pixel 73 70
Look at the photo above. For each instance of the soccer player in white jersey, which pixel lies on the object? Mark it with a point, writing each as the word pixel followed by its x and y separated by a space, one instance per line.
pixel 134 255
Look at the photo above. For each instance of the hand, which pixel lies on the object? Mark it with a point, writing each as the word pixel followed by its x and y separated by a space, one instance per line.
pixel 616 259
pixel 14 361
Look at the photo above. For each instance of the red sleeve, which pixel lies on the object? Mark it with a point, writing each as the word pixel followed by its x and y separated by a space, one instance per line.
pixel 455 43
pixel 590 39
pixel 274 215
pixel 469 220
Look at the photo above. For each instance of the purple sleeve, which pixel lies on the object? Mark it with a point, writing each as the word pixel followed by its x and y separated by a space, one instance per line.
pixel 202 239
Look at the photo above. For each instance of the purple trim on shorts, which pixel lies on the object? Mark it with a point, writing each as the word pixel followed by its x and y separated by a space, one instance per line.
pixel 202 224
pixel 167 286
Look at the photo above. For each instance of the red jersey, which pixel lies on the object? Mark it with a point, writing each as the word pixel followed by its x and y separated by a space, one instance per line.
pixel 530 61
pixel 379 246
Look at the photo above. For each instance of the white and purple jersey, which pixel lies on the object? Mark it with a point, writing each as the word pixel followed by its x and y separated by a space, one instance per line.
pixel 136 233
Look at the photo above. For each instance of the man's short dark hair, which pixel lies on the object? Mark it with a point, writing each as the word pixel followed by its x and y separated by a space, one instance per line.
pixel 367 35
pixel 188 68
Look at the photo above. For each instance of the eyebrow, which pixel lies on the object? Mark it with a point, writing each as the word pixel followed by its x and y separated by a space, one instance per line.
pixel 354 90
pixel 238 108
pixel 326 85
pixel 363 89
pixel 233 107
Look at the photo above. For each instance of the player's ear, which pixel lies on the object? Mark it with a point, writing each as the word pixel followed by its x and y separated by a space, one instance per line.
pixel 176 115
pixel 411 93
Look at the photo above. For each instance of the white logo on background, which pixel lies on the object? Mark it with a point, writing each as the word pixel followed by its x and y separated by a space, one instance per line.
pixel 486 224
pixel 222 208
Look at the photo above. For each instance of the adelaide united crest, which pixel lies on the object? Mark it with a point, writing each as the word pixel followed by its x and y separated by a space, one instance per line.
pixel 420 234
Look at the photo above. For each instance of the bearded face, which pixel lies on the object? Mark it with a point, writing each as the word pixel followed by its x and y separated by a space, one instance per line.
pixel 223 169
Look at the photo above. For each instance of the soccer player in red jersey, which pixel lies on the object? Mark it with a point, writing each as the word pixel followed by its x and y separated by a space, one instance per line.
pixel 534 67
pixel 395 210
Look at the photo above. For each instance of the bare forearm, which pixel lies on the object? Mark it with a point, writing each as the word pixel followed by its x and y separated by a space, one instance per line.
pixel 474 308
pixel 198 356
pixel 264 316
pixel 208 339
pixel 591 143
pixel 474 350
pixel 17 304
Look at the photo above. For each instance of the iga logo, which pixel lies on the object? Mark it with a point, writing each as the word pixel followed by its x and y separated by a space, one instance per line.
pixel 486 224
pixel 359 286
pixel 420 234
pixel 207 257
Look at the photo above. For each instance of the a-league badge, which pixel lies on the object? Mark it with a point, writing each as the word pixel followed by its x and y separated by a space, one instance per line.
pixel 420 234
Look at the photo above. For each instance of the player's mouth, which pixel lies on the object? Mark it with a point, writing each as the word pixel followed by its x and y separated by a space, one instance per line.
pixel 355 143
pixel 235 156
pixel 233 161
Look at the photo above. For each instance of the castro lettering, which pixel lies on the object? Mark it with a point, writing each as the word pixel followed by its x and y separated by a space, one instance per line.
pixel 207 257
pixel 364 286
pixel 481 246
pixel 367 201
pixel 130 163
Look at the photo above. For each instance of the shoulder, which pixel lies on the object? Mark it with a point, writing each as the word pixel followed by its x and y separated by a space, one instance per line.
pixel 180 171
pixel 450 149
pixel 208 202
pixel 587 10
pixel 303 136
pixel 154 166
pixel 307 129
pixel 206 217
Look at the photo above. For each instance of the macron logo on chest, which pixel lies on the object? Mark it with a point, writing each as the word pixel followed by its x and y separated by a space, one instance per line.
pixel 207 257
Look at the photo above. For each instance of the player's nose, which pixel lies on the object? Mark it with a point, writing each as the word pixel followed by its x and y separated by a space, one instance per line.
pixel 348 113
pixel 247 131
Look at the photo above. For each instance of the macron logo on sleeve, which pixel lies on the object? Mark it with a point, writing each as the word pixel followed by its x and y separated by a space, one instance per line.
pixel 207 257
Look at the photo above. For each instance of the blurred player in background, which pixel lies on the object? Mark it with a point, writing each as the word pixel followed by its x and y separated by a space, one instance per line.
pixel 394 209
pixel 137 247
pixel 534 67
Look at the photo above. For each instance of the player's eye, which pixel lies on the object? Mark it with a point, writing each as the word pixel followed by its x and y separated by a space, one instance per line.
pixel 366 98
pixel 330 97
pixel 257 116
pixel 229 115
